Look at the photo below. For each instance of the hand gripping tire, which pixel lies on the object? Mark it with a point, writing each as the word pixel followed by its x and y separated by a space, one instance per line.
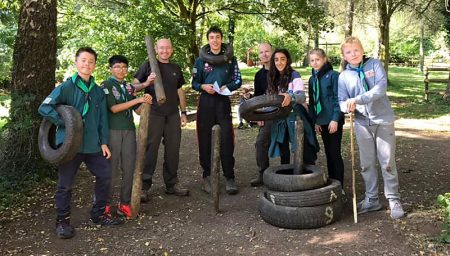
pixel 73 136
pixel 324 195
pixel 263 108
pixel 299 217
pixel 282 178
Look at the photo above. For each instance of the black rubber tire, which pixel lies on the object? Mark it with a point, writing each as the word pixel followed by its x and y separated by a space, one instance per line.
pixel 324 195
pixel 217 59
pixel 281 178
pixel 263 108
pixel 299 217
pixel 73 136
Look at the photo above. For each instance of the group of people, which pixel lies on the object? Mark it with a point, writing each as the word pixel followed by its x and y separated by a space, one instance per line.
pixel 360 89
pixel 109 138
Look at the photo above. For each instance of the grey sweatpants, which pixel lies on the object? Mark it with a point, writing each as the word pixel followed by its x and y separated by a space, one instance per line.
pixel 377 142
pixel 122 144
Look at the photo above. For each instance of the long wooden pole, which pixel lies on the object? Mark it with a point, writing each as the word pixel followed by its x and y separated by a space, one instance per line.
pixel 142 141
pixel 352 150
pixel 158 84
pixel 215 166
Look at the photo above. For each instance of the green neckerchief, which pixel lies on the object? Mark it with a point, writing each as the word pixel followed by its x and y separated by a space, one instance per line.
pixel 360 71
pixel 123 91
pixel 78 81
pixel 317 104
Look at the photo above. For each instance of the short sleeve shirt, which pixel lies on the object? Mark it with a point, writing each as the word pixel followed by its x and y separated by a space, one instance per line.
pixel 172 79
pixel 117 93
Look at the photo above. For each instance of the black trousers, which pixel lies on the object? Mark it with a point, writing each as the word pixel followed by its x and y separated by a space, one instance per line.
pixel 168 130
pixel 100 167
pixel 262 147
pixel 332 144
pixel 215 109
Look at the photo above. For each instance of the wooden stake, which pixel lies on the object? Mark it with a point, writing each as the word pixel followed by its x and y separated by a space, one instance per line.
pixel 352 150
pixel 298 155
pixel 158 84
pixel 142 141
pixel 215 166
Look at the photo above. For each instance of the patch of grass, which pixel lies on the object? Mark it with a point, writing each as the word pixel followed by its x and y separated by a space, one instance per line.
pixel 405 90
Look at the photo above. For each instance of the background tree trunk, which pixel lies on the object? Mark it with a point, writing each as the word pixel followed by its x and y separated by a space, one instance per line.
pixel 383 33
pixel 348 25
pixel 32 79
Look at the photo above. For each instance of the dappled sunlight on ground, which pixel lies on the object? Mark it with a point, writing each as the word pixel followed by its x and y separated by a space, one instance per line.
pixel 341 237
pixel 441 124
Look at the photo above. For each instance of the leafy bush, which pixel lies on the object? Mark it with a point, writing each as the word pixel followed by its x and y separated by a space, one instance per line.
pixel 444 201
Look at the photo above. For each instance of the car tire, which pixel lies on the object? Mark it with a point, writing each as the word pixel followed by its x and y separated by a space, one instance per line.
pixel 73 136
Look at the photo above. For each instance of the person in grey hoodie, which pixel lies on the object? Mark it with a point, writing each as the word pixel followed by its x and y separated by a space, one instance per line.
pixel 362 90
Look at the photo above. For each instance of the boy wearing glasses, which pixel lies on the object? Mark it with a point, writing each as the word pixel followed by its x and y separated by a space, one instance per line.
pixel 121 101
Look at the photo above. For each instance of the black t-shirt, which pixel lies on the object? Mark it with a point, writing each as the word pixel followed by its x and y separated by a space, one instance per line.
pixel 261 82
pixel 172 79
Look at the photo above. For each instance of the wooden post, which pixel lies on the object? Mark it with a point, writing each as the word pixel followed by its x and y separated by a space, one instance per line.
pixel 352 151
pixel 298 155
pixel 215 166
pixel 142 141
pixel 159 88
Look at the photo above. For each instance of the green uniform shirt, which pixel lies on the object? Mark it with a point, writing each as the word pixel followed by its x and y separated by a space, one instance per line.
pixel 116 93
pixel 95 128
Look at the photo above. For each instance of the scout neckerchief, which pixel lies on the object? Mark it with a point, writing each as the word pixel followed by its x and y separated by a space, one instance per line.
pixel 316 94
pixel 360 71
pixel 317 75
pixel 123 91
pixel 76 79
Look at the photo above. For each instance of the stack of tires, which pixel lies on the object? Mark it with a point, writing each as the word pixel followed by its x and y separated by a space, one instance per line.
pixel 300 201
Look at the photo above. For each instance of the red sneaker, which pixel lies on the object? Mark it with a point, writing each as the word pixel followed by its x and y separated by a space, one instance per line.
pixel 124 210
pixel 108 209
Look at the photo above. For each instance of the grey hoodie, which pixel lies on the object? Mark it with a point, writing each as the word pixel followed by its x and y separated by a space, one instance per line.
pixel 373 106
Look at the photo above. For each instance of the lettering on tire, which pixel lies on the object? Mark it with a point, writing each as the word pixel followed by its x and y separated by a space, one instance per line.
pixel 333 196
pixel 329 214
pixel 272 199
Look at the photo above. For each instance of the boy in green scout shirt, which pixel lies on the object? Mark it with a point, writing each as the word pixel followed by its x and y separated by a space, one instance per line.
pixel 121 100
pixel 81 92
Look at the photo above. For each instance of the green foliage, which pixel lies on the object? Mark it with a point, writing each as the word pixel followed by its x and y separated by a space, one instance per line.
pixel 404 50
pixel 113 28
pixel 8 29
pixel 444 202
pixel 21 167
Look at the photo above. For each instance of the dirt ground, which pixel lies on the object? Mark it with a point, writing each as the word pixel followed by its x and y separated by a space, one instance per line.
pixel 171 225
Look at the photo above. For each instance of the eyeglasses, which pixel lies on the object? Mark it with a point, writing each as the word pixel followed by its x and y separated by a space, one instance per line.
pixel 119 67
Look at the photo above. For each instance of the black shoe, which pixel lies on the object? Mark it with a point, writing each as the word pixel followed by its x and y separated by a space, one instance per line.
pixel 258 181
pixel 177 190
pixel 144 196
pixel 230 187
pixel 241 125
pixel 106 220
pixel 63 228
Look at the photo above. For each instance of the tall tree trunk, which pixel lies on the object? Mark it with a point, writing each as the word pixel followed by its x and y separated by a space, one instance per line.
pixel 231 26
pixel 383 33
pixel 33 78
pixel 421 50
pixel 348 24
